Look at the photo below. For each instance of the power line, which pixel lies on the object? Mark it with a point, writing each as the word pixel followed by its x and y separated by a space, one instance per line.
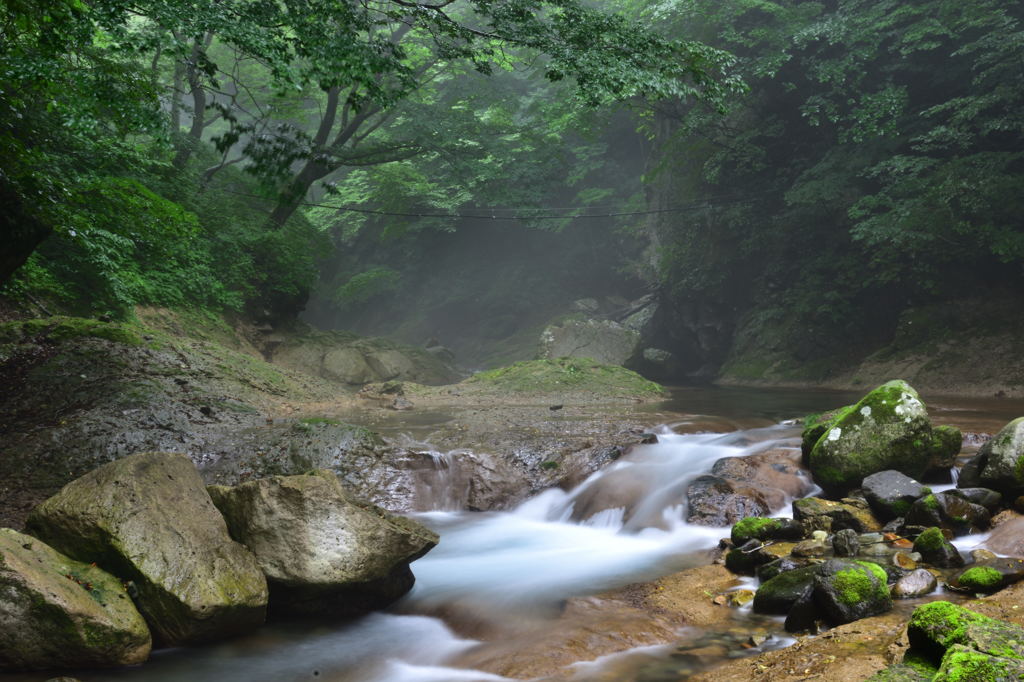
pixel 523 214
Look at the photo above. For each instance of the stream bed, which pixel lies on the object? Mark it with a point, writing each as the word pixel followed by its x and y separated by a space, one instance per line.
pixel 497 576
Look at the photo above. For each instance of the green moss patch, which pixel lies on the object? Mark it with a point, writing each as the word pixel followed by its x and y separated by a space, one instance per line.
pixel 753 527
pixel 566 374
pixel 981 579
pixel 56 329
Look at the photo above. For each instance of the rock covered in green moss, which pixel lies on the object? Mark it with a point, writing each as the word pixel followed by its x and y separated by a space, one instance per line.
pixel 999 464
pixel 815 426
pixel 887 429
pixel 564 375
pixel 964 664
pixel 950 511
pixel 148 519
pixel 322 551
pixel 964 640
pixel 778 594
pixel 936 550
pixel 990 575
pixel 763 528
pixel 56 612
pixel 846 590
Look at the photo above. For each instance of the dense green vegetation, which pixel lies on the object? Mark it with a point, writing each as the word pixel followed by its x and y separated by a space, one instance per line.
pixel 795 179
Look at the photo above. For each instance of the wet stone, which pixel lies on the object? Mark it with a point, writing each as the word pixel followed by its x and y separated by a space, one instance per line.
pixel 917 583
pixel 809 548
pixel 845 543
pixel 904 561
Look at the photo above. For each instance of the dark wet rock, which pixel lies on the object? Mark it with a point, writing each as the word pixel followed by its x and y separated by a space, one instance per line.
pixel 845 543
pixel 990 575
pixel 746 558
pixel 936 550
pixel 147 518
pixel 847 590
pixel 989 499
pixel 756 485
pixel 771 569
pixel 56 612
pixel 762 528
pixel 817 513
pixel 887 429
pixel 322 551
pixel 780 593
pixel 890 493
pixel 803 615
pixel 947 441
pixel 917 583
pixel 998 464
pixel 950 511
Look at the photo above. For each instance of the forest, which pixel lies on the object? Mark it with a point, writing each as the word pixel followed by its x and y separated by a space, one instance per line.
pixel 396 279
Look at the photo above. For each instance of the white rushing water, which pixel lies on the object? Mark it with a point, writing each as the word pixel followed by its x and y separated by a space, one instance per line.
pixel 518 562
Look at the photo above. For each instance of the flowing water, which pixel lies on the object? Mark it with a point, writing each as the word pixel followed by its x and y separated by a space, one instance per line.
pixel 496 573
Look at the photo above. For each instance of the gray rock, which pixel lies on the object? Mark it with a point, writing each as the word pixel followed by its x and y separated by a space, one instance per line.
pixel 147 518
pixel 56 612
pixel 847 590
pixel 890 493
pixel 989 499
pixel 845 543
pixel 606 341
pixel 820 514
pixel 917 583
pixel 949 511
pixel 321 550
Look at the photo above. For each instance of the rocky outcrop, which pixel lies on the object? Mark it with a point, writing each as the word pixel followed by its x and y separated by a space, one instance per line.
pixel 148 519
pixel 57 612
pixel 353 360
pixel 887 429
pixel 999 464
pixel 323 553
pixel 846 590
pixel 605 341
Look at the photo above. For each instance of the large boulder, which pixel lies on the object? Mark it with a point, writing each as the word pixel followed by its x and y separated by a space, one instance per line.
pixel 755 485
pixel 148 519
pixel 887 429
pixel 606 341
pixel 56 612
pixel 323 552
pixel 999 464
pixel 847 590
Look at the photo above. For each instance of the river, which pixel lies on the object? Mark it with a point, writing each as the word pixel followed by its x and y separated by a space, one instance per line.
pixel 497 575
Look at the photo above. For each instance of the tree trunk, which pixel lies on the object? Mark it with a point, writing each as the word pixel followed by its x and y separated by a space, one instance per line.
pixel 24 233
pixel 291 197
pixel 198 93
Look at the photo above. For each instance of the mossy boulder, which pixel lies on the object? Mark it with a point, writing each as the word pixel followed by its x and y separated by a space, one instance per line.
pixel 606 341
pixel 989 576
pixel 936 550
pixel 887 429
pixel 846 590
pixel 56 612
pixel 815 426
pixel 763 528
pixel 778 594
pixel 148 519
pixel 321 550
pixel 999 464
pixel 953 512
pixel 964 640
